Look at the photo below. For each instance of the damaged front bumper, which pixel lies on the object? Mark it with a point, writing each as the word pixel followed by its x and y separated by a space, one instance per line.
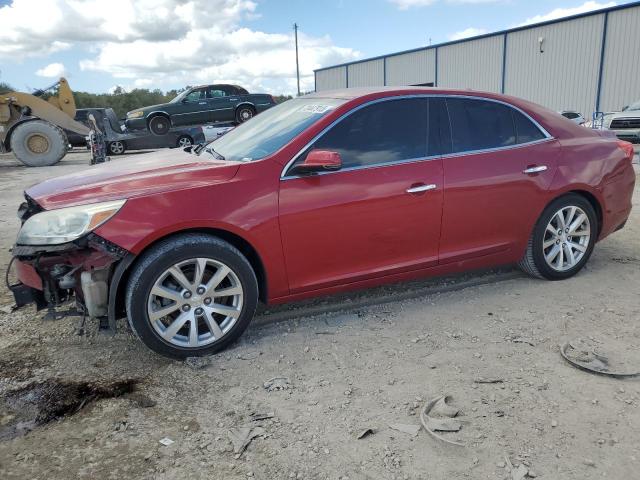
pixel 88 269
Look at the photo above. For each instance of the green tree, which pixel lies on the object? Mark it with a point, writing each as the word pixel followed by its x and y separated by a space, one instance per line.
pixel 5 87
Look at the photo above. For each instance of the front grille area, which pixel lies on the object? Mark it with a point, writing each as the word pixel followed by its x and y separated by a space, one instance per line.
pixel 624 123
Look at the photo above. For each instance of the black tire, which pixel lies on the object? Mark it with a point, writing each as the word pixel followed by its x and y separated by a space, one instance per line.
pixel 38 143
pixel 534 263
pixel 150 266
pixel 159 125
pixel 182 140
pixel 244 113
pixel 117 148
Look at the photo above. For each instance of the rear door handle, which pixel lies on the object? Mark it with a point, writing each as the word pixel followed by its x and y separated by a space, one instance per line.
pixel 537 169
pixel 422 188
pixel 202 103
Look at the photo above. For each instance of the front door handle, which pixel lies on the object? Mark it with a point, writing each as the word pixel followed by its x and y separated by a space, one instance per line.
pixel 422 188
pixel 536 169
pixel 202 103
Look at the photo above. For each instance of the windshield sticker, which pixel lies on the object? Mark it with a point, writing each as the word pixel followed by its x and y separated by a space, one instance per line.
pixel 317 108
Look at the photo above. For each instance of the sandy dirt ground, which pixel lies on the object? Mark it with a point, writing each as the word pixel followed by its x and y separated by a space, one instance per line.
pixel 367 360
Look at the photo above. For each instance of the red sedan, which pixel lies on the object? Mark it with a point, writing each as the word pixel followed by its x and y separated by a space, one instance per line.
pixel 321 194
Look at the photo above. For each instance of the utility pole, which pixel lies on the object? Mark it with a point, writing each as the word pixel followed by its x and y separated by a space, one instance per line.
pixel 295 30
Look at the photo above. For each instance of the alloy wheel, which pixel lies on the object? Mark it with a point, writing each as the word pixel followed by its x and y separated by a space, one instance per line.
pixel 566 238
pixel 184 142
pixel 246 114
pixel 116 148
pixel 195 302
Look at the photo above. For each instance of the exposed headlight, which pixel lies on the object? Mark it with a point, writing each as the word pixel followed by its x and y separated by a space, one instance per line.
pixel 53 227
pixel 135 114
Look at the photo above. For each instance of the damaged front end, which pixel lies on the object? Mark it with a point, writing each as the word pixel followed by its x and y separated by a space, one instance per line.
pixel 52 275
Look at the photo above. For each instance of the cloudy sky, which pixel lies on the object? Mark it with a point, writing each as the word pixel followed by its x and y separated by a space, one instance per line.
pixel 165 44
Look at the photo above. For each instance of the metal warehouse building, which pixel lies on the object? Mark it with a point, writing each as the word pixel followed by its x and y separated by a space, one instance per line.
pixel 588 62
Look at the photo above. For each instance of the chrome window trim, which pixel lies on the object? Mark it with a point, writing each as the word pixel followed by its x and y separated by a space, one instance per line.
pixel 202 111
pixel 288 165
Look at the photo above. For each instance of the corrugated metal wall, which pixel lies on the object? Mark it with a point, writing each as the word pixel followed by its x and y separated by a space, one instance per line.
pixel 621 74
pixel 476 64
pixel 414 68
pixel 331 79
pixel 565 76
pixel 367 74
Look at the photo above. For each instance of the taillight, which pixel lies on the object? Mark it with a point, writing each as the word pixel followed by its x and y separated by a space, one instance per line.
pixel 273 100
pixel 627 148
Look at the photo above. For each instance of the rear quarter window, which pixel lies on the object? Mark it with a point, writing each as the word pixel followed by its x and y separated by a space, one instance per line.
pixel 526 130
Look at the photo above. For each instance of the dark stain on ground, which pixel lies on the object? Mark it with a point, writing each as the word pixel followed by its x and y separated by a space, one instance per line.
pixel 39 403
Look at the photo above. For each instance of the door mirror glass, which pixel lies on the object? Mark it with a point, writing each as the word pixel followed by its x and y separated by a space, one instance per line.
pixel 318 161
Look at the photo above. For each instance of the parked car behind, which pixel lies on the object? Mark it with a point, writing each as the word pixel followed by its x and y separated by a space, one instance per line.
pixel 120 139
pixel 319 195
pixel 626 123
pixel 574 116
pixel 200 105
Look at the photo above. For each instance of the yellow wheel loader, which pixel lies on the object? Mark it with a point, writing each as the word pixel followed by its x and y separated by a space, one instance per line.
pixel 32 127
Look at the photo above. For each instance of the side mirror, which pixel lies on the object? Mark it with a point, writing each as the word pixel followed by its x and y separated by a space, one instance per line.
pixel 318 161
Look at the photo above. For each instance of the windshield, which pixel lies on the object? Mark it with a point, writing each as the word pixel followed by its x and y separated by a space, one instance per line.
pixel 180 96
pixel 633 106
pixel 272 129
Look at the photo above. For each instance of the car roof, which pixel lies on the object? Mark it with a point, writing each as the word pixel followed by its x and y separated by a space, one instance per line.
pixel 217 85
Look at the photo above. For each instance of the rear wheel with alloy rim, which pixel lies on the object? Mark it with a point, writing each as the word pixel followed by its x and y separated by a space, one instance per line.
pixel 562 240
pixel 191 295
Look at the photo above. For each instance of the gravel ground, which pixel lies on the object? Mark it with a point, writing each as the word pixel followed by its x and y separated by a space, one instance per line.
pixel 350 363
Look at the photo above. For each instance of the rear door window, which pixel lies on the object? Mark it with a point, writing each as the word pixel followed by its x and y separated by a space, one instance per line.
pixel 387 131
pixel 480 124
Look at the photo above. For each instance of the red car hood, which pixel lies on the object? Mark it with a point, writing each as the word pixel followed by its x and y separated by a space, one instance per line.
pixel 132 177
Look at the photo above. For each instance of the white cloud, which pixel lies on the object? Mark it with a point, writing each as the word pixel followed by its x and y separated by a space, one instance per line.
pixel 407 4
pixel 166 43
pixel 567 12
pixel 467 32
pixel 53 70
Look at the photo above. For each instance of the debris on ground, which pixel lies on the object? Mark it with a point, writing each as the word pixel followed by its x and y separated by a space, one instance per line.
pixel 277 383
pixel 404 428
pixel 365 433
pixel 166 441
pixel 591 361
pixel 438 415
pixel 528 341
pixel 241 438
pixel 42 402
pixel 257 416
pixel 518 473
pixel 488 380
pixel 197 363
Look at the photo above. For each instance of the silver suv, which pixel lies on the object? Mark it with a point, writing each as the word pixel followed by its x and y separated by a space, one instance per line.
pixel 625 124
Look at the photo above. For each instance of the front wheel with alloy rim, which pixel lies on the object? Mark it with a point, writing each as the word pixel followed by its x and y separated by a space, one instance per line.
pixel 159 125
pixel 184 141
pixel 191 295
pixel 117 147
pixel 244 113
pixel 562 240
